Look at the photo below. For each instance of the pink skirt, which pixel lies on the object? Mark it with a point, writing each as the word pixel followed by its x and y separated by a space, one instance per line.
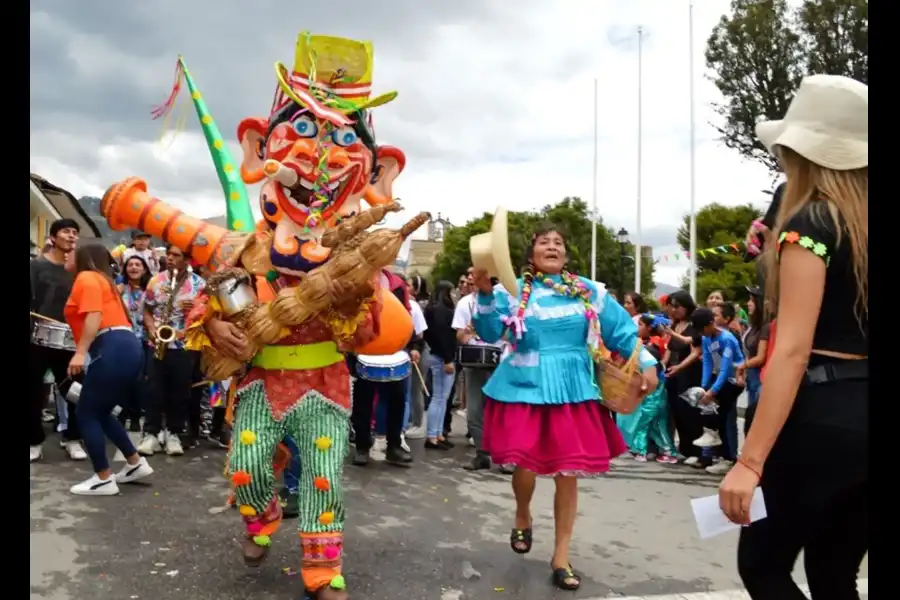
pixel 576 439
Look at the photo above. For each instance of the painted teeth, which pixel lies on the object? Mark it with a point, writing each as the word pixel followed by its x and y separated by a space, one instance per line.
pixel 334 185
pixel 308 185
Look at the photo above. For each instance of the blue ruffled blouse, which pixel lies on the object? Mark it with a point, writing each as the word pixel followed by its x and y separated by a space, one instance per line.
pixel 551 363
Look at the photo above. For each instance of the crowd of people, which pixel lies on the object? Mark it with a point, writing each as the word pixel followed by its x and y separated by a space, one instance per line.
pixel 521 364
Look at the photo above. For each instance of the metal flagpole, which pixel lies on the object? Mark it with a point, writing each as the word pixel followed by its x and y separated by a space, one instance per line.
pixel 640 135
pixel 693 227
pixel 594 200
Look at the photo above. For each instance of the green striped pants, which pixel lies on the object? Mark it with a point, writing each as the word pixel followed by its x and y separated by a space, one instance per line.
pixel 320 428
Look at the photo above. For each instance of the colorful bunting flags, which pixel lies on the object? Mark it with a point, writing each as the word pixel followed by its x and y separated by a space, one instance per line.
pixel 735 248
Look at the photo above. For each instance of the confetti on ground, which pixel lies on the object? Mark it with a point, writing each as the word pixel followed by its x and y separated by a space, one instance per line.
pixel 172 573
pixel 159 564
pixel 215 510
pixel 145 543
pixel 154 572
pixel 499 589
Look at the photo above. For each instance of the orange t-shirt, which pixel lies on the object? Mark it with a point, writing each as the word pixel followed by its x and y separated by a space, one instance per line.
pixel 92 293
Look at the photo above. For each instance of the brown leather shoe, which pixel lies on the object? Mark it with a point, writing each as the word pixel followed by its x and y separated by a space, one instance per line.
pixel 254 554
pixel 329 593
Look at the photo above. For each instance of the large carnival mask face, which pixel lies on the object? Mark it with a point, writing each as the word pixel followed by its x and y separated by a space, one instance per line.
pixel 315 174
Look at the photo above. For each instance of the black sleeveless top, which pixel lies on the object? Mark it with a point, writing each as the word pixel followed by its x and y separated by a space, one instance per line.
pixel 840 327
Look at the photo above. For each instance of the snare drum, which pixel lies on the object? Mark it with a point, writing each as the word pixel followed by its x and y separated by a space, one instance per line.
pixel 474 356
pixel 393 367
pixel 53 335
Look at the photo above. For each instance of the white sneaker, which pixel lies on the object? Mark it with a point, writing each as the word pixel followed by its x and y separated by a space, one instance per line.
pixel 709 439
pixel 691 460
pixel 403 443
pixel 131 473
pixel 96 487
pixel 470 441
pixel 75 451
pixel 462 413
pixel 37 452
pixel 149 445
pixel 173 445
pixel 415 433
pixel 379 447
pixel 720 468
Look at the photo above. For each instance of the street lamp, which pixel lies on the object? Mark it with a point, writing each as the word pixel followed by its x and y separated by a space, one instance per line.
pixel 622 237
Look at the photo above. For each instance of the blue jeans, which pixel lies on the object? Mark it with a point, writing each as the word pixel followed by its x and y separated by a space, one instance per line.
pixel 292 472
pixel 754 386
pixel 381 410
pixel 113 377
pixel 442 384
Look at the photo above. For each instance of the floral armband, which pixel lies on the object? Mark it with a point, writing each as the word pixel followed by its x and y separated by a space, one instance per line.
pixel 205 308
pixel 804 241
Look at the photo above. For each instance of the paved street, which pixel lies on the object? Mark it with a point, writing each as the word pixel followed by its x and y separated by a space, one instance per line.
pixel 414 534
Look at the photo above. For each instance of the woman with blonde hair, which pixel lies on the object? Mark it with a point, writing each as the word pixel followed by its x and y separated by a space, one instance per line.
pixel 815 395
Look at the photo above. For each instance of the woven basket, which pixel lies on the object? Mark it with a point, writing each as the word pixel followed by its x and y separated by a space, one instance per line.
pixel 621 385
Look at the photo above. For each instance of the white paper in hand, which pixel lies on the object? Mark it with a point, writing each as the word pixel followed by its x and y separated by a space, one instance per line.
pixel 711 521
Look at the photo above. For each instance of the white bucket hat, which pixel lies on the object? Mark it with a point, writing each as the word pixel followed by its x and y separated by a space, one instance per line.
pixel 827 123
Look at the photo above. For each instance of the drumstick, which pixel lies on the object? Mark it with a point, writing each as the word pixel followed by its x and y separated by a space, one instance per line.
pixel 421 379
pixel 34 314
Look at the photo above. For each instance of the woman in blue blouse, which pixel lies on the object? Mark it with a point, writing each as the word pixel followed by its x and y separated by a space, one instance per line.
pixel 542 415
pixel 135 277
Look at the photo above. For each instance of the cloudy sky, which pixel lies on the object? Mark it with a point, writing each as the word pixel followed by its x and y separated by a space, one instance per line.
pixel 495 104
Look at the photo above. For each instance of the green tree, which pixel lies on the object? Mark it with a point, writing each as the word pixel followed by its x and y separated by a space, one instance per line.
pixel 761 51
pixel 573 217
pixel 721 226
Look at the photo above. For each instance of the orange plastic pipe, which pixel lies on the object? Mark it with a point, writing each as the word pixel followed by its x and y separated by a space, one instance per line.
pixel 127 205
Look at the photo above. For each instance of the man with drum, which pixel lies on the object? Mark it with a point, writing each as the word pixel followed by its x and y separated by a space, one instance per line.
pixel 478 361
pixel 388 377
pixel 52 344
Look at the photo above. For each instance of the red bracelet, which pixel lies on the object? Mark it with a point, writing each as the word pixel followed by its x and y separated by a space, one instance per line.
pixel 751 469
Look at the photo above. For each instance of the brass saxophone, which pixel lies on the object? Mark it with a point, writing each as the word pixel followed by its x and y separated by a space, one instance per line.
pixel 165 333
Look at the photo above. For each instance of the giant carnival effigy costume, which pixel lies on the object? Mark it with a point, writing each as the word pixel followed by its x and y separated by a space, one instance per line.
pixel 317 158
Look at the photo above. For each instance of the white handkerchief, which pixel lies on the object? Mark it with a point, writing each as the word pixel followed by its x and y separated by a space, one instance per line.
pixel 711 521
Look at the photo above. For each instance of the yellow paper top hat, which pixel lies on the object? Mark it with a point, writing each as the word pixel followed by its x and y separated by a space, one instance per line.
pixel 332 77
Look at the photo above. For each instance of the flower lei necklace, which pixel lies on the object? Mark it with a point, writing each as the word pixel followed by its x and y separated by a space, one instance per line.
pixel 570 286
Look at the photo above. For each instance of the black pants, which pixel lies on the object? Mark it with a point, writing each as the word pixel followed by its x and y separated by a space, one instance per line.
pixel 40 359
pixel 726 399
pixel 687 418
pixel 816 488
pixel 448 414
pixel 170 391
pixel 217 425
pixel 136 404
pixel 199 394
pixel 393 394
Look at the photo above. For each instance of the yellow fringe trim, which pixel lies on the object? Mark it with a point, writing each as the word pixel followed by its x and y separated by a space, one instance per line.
pixel 343 327
pixel 195 337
